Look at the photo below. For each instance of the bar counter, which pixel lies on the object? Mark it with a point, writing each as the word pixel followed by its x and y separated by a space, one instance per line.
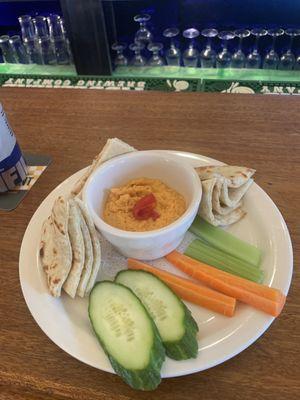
pixel 71 126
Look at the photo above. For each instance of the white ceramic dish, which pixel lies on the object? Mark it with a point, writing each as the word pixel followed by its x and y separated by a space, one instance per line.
pixel 65 321
pixel 144 164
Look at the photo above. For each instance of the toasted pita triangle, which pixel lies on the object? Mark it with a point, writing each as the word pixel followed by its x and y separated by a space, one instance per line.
pixel 113 147
pixel 76 239
pixel 55 247
pixel 95 243
pixel 206 211
pixel 88 259
pixel 235 176
pixel 217 206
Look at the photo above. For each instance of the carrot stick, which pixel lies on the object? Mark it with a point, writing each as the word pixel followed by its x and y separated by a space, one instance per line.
pixel 256 288
pixel 189 290
pixel 259 296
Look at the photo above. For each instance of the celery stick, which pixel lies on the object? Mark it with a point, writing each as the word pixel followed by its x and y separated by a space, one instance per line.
pixel 225 241
pixel 202 246
pixel 223 261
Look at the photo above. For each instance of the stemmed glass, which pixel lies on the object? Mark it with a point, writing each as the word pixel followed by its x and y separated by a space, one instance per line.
pixel 287 60
pixel 297 65
pixel 238 58
pixel 120 60
pixel 224 57
pixel 156 60
pixel 254 58
pixel 138 60
pixel 143 35
pixel 271 59
pixel 208 55
pixel 191 54
pixel 173 52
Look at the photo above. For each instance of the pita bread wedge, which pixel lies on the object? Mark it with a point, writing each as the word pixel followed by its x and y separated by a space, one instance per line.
pixel 55 248
pixel 206 211
pixel 88 259
pixel 231 196
pixel 95 243
pixel 113 147
pixel 76 239
pixel 217 206
pixel 60 215
pixel 235 176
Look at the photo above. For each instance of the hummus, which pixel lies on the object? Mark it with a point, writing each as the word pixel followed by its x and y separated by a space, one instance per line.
pixel 118 209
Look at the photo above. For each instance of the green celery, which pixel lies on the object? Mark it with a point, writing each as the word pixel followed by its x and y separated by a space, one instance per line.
pixel 226 242
pixel 223 261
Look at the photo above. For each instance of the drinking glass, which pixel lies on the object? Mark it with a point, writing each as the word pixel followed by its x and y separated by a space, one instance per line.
pixel 287 60
pixel 138 60
pixel 238 58
pixel 208 55
pixel 47 50
pixel 254 59
pixel 55 25
pixel 27 27
pixel 40 26
pixel 61 50
pixel 143 35
pixel 224 57
pixel 8 52
pixel 59 37
pixel 156 60
pixel 173 52
pixel 17 44
pixel 120 60
pixel 271 59
pixel 33 50
pixel 191 54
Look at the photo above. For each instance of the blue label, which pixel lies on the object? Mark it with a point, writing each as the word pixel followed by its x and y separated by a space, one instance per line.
pixel 12 159
pixel 12 170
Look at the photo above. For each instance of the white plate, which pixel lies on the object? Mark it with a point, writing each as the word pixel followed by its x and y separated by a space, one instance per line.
pixel 65 321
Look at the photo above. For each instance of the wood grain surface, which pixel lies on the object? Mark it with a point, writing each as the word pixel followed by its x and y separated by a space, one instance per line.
pixel 71 126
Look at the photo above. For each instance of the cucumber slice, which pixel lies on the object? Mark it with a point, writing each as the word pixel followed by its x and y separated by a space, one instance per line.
pixel 173 319
pixel 127 334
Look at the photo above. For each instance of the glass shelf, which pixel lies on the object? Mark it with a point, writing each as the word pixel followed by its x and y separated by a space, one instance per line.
pixel 34 69
pixel 203 73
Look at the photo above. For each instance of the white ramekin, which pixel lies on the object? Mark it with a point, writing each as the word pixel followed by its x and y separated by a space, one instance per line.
pixel 150 164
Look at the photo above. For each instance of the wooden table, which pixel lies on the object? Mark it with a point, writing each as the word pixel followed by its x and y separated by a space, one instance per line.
pixel 71 126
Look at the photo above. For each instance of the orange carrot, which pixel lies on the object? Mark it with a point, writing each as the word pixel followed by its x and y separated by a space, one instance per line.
pixel 189 290
pixel 256 288
pixel 259 296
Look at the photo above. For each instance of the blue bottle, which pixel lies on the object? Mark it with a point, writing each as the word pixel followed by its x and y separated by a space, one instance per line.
pixel 13 168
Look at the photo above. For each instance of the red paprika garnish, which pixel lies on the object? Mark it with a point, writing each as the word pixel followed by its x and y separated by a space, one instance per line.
pixel 144 208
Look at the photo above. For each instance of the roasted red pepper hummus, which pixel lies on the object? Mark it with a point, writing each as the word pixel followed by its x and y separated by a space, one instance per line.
pixel 121 206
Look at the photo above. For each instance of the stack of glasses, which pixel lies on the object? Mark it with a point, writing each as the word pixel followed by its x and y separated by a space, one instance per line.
pixel 208 57
pixel 43 42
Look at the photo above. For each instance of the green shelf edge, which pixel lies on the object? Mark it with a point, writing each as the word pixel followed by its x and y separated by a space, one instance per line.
pixel 210 74
pixel 159 72
pixel 34 69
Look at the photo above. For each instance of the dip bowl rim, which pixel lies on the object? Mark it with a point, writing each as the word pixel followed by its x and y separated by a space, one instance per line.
pixel 195 201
